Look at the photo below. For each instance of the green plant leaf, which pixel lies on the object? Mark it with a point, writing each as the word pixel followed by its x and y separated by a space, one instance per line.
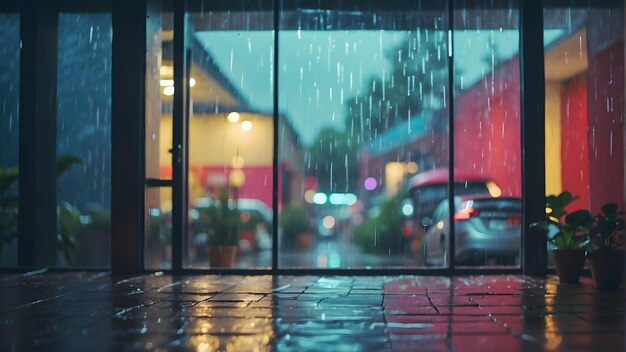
pixel 610 209
pixel 8 178
pixel 563 199
pixel 578 218
pixel 66 162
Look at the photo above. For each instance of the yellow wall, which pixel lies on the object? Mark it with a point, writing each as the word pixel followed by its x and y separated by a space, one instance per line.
pixel 553 138
pixel 214 141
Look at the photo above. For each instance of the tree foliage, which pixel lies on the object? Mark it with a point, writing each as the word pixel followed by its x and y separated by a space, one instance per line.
pixel 417 82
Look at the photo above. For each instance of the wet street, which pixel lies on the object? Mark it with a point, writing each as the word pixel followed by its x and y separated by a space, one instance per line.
pixel 98 312
pixel 328 254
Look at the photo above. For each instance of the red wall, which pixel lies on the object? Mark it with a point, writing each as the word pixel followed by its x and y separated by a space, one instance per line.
pixel 487 128
pixel 258 183
pixel 574 150
pixel 606 125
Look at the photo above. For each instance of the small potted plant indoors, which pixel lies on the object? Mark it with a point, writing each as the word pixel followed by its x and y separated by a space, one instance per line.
pixel 296 228
pixel 605 257
pixel 221 224
pixel 570 235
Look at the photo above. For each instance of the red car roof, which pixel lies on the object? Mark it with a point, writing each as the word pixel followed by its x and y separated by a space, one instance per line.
pixel 439 176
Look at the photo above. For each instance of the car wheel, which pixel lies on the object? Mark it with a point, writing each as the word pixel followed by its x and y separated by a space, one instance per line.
pixel 444 249
pixel 427 262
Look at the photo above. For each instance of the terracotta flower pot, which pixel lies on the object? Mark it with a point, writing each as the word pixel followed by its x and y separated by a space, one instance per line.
pixel 569 264
pixel 607 269
pixel 304 240
pixel 222 256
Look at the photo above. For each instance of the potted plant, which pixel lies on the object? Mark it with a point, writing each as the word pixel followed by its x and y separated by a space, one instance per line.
pixel 220 221
pixel 68 217
pixel 569 235
pixel 605 258
pixel 296 227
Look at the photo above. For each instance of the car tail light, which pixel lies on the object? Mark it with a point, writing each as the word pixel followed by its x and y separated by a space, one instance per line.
pixel 466 214
pixel 407 229
pixel 513 221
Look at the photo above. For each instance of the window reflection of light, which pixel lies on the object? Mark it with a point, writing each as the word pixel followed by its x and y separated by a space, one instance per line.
pixel 321 261
pixel 204 343
pixel 334 260
pixel 552 339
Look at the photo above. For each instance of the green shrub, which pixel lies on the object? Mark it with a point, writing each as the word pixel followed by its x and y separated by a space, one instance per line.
pixel 294 221
pixel 383 234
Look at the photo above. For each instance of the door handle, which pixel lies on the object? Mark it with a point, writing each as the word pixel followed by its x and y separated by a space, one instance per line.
pixel 178 158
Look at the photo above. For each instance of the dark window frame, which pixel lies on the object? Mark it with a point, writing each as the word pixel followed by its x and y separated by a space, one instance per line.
pixel 128 154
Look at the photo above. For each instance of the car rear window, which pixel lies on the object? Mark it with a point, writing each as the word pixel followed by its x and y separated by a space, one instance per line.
pixel 498 204
pixel 436 193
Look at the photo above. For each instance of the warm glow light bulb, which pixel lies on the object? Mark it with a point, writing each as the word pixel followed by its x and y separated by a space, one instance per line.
pixel 411 167
pixel 233 117
pixel 169 91
pixel 246 126
pixel 308 196
pixel 167 83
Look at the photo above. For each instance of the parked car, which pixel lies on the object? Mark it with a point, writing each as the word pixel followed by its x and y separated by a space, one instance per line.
pixel 428 189
pixel 487 230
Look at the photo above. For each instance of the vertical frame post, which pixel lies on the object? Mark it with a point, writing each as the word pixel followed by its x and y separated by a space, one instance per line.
pixel 180 116
pixel 532 97
pixel 451 195
pixel 127 135
pixel 275 162
pixel 37 152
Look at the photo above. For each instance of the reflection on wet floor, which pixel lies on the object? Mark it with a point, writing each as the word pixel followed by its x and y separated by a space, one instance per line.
pixel 82 311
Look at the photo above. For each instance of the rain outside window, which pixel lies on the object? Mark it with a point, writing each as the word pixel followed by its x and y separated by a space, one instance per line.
pixel 584 72
pixel 364 104
pixel 84 139
pixel 9 136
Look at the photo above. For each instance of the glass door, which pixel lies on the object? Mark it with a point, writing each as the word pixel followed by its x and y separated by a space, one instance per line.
pixel 301 138
pixel 229 136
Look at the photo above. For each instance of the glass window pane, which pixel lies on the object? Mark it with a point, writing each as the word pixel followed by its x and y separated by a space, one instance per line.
pixel 159 97
pixel 584 72
pixel 363 109
pixel 230 139
pixel 158 238
pixel 159 92
pixel 487 145
pixel 9 135
pixel 84 139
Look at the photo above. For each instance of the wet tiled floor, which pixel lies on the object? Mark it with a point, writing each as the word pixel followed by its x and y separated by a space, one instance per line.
pixel 95 311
